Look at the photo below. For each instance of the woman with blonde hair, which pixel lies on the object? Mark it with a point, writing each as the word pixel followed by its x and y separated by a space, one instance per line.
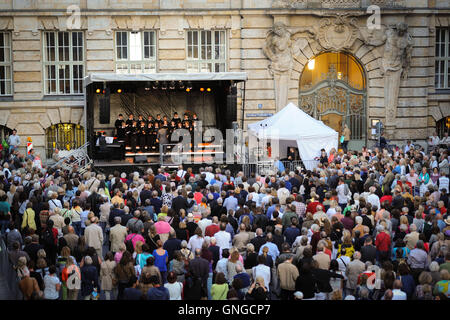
pixel 137 248
pixel 71 280
pixel 346 247
pixel 233 261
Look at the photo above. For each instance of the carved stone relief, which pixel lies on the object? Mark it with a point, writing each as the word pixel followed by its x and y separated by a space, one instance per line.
pixel 395 62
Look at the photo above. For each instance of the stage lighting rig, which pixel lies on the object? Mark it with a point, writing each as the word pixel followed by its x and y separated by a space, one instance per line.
pixel 147 86
pixel 181 85
pixel 172 85
pixel 164 86
pixel 155 85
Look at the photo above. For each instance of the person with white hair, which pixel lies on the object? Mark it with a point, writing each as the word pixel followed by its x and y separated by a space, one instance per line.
pixel 412 237
pixel 373 199
pixel 359 227
pixel 383 244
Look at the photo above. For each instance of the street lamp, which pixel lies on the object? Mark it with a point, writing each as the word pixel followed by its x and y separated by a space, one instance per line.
pixel 263 126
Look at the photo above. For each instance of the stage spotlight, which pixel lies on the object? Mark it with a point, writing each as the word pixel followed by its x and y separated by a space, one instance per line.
pixel 98 90
pixel 209 89
pixel 172 85
pixel 188 89
pixel 202 89
pixel 164 86
pixel 147 86
pixel 119 90
pixel 181 85
pixel 155 85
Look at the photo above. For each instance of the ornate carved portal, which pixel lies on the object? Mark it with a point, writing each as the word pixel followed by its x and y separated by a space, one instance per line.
pixel 335 101
pixel 395 63
pixel 338 33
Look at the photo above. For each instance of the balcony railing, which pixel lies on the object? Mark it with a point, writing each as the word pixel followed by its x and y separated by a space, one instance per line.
pixel 336 4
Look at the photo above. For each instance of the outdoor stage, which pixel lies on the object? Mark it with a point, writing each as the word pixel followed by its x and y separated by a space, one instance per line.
pixel 211 96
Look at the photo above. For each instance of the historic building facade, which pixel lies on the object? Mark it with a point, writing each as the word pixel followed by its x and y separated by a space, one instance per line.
pixel 332 58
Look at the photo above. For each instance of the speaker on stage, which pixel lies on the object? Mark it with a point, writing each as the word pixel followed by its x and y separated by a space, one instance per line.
pixel 104 108
pixel 140 158
pixel 231 106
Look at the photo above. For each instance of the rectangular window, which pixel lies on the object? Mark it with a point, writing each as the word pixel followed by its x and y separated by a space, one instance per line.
pixel 5 64
pixel 206 51
pixel 135 52
pixel 442 66
pixel 63 62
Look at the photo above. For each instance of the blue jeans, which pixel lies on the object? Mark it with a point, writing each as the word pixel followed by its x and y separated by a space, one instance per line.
pixel 209 285
pixel 4 225
pixel 77 227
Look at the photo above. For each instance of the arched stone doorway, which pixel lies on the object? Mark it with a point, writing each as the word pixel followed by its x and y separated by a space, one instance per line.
pixel 333 89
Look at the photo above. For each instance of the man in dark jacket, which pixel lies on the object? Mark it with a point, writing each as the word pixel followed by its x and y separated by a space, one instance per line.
pixel 199 269
pixel 115 212
pixel 157 292
pixel 368 251
pixel 259 240
pixel 180 202
pixel 172 244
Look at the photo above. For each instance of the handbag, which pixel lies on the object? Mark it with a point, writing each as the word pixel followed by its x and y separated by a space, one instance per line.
pixel 341 140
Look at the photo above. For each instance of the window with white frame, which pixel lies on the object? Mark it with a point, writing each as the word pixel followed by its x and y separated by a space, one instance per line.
pixel 442 66
pixel 63 62
pixel 135 52
pixel 5 64
pixel 206 51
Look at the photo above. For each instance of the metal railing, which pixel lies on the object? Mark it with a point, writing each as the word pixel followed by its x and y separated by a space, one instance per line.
pixel 77 157
pixel 264 168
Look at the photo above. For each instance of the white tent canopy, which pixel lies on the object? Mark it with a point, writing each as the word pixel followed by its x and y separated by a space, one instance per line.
pixel 292 126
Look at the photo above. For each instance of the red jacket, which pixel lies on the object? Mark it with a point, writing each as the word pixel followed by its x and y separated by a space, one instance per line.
pixel 211 230
pixel 383 242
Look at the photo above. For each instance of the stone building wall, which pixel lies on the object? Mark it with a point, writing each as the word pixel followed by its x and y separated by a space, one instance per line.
pixel 248 23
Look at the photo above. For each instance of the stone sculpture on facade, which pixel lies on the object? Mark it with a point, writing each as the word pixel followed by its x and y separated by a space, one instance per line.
pixel 280 50
pixel 395 63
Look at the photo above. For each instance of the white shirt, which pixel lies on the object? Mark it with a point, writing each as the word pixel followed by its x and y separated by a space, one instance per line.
pixel 195 242
pixel 342 197
pixel 223 239
pixel 53 203
pixel 343 262
pixel 434 140
pixel 263 271
pixel 398 294
pixel 175 290
pixel 374 200
pixel 443 183
pixel 221 266
pixel 203 224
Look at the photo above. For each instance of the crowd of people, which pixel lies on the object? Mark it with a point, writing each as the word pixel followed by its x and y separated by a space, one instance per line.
pixel 366 225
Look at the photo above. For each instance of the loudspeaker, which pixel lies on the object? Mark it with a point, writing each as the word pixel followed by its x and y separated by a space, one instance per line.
pixel 231 114
pixel 104 108
pixel 140 158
